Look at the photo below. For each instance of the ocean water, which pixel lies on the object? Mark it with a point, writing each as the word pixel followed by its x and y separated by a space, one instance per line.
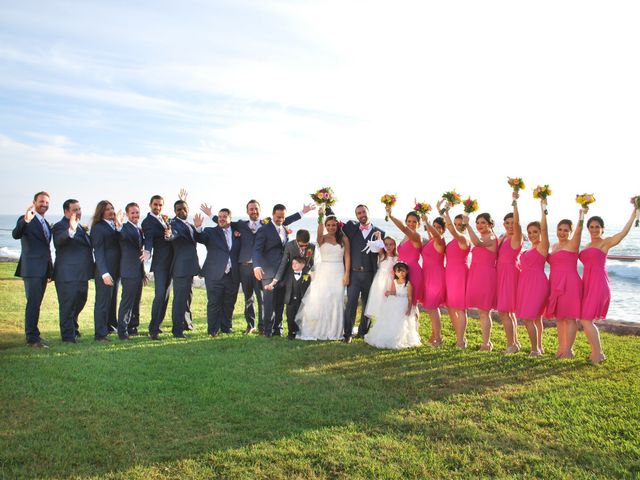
pixel 624 276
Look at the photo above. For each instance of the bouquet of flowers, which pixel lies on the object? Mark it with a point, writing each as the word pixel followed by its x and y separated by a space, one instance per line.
pixel 452 197
pixel 542 192
pixel 325 197
pixel 636 201
pixel 422 208
pixel 585 199
pixel 470 205
pixel 516 183
pixel 389 201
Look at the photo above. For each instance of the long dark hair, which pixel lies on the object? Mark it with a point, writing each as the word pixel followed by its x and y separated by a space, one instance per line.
pixel 401 266
pixel 339 232
pixel 100 209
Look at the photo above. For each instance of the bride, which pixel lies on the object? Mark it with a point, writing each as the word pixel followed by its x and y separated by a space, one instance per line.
pixel 322 308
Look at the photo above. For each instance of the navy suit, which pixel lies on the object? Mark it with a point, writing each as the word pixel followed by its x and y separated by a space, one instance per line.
pixel 106 251
pixel 35 268
pixel 267 254
pixel 363 269
pixel 132 276
pixel 222 285
pixel 250 285
pixel 183 268
pixel 72 270
pixel 155 242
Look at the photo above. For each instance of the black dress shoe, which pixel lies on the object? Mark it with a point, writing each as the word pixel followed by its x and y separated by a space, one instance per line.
pixel 103 339
pixel 181 336
pixel 69 340
pixel 213 335
pixel 277 334
pixel 291 337
pixel 38 344
pixel 123 337
pixel 227 331
pixel 160 331
pixel 347 340
pixel 154 336
pixel 133 333
pixel 78 334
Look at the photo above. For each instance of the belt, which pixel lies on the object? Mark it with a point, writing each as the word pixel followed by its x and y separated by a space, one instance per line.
pixel 359 269
pixel 246 263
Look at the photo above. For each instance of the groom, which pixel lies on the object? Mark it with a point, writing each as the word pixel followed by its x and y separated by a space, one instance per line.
pixel 363 269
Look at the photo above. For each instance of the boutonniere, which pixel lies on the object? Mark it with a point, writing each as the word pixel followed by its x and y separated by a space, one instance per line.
pixel 236 233
pixel 289 231
pixel 309 253
pixel 305 277
pixel 266 221
pixel 165 218
pixel 84 227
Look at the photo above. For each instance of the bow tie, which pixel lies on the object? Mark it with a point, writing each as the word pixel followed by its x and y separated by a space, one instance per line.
pixel 364 227
pixel 297 275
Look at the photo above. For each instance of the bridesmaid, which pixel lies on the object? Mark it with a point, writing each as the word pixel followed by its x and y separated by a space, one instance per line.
pixel 409 250
pixel 456 272
pixel 507 269
pixel 533 284
pixel 433 273
pixel 565 284
pixel 596 293
pixel 481 283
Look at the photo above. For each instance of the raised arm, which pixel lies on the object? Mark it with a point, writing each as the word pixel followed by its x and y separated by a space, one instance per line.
pixel 320 231
pixel 462 240
pixel 475 239
pixel 543 247
pixel 516 239
pixel 614 240
pixel 574 243
pixel 433 233
pixel 414 236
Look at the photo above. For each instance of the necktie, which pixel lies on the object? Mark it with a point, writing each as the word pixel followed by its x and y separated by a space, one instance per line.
pixel 45 229
pixel 227 236
pixel 253 226
pixel 111 224
pixel 283 238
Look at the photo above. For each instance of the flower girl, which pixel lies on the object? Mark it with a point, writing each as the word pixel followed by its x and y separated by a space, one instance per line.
pixel 396 326
pixel 388 256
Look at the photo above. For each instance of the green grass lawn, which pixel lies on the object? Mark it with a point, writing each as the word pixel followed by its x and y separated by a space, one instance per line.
pixel 238 407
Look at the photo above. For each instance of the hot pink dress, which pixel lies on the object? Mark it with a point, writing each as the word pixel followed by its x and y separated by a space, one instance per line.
pixel 410 255
pixel 433 274
pixel 533 286
pixel 596 293
pixel 481 282
pixel 565 286
pixel 508 271
pixel 456 275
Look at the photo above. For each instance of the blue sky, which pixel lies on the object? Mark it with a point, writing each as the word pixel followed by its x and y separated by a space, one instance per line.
pixel 232 100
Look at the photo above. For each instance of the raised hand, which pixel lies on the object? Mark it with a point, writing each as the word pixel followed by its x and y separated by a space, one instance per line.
pixel 307 208
pixel 119 219
pixel 73 221
pixel 30 213
pixel 198 219
pixel 321 211
pixel 206 209
pixel 182 195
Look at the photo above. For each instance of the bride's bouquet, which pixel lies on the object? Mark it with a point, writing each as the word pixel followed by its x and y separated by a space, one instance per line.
pixel 585 199
pixel 470 205
pixel 324 197
pixel 422 208
pixel 389 201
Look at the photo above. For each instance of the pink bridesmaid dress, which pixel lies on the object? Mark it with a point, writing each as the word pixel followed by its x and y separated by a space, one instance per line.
pixel 456 274
pixel 481 282
pixel 508 271
pixel 433 275
pixel 533 286
pixel 595 281
pixel 410 255
pixel 565 286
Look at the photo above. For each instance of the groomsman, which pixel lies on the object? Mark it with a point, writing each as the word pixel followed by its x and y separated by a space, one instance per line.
pixel 35 266
pixel 363 269
pixel 248 230
pixel 184 266
pixel 106 251
pixel 220 270
pixel 154 227
pixel 131 272
pixel 73 268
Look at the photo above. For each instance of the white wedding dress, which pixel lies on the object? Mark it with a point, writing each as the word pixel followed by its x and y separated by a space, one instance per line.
pixel 393 328
pixel 381 283
pixel 321 312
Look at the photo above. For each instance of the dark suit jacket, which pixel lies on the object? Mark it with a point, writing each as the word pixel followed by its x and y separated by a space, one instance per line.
pixel 247 237
pixel 131 243
pixel 106 249
pixel 291 250
pixel 218 253
pixel 35 255
pixel 154 242
pixel 268 249
pixel 185 257
pixel 295 289
pixel 74 255
pixel 367 262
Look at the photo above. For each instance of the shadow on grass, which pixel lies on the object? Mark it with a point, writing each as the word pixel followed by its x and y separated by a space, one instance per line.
pixel 94 409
